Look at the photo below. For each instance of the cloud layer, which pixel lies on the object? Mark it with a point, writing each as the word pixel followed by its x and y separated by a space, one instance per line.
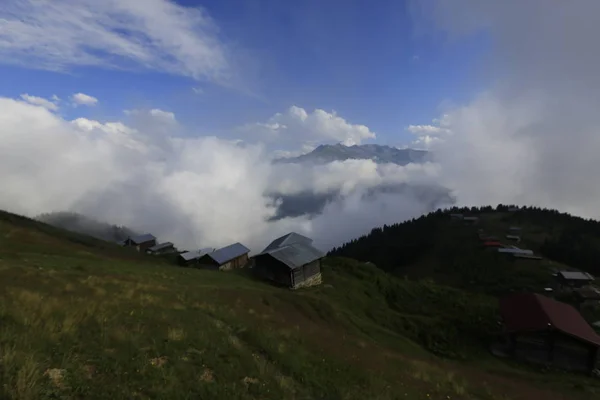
pixel 197 192
pixel 152 34
pixel 532 136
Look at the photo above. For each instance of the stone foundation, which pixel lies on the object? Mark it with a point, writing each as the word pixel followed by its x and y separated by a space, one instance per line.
pixel 312 281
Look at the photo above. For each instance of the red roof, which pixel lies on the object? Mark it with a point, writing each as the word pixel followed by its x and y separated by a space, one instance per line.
pixel 534 312
pixel 492 243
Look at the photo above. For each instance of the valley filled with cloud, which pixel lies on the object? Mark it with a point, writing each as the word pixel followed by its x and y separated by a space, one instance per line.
pixel 529 137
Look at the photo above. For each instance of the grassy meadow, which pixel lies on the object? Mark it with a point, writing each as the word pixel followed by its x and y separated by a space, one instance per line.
pixel 83 319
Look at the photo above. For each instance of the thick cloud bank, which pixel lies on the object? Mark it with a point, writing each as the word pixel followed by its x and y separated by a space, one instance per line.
pixel 196 192
pixel 533 135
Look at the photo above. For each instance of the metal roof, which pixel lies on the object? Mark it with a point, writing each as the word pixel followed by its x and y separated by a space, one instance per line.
pixel 534 312
pixel 228 253
pixel 576 275
pixel 295 255
pixel 161 246
pixel 515 251
pixel 190 255
pixel 286 240
pixel 142 238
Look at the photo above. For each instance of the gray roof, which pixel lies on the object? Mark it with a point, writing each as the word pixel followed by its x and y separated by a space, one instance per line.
pixel 576 275
pixel 295 255
pixel 228 253
pixel 161 246
pixel 191 255
pixel 286 240
pixel 515 250
pixel 142 238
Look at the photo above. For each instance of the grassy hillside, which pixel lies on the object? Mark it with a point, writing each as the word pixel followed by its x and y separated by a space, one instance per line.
pixel 84 319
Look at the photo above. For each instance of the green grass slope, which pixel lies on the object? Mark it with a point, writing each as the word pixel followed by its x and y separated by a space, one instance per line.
pixel 84 319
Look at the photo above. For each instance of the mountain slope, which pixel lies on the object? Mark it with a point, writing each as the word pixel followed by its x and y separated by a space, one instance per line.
pixel 324 154
pixel 80 321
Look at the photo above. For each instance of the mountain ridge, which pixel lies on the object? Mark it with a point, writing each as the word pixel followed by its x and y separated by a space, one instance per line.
pixel 381 154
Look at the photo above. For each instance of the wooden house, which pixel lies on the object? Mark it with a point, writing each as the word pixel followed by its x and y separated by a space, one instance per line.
pixel 542 330
pixel 471 220
pixel 530 257
pixel 161 248
pixel 225 258
pixel 515 250
pixel 492 243
pixel 140 242
pixel 291 261
pixel 514 238
pixel 188 258
pixel 574 279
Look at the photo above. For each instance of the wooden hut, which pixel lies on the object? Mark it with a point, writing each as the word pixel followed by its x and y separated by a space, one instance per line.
pixel 542 330
pixel 162 248
pixel 291 261
pixel 575 279
pixel 225 258
pixel 140 242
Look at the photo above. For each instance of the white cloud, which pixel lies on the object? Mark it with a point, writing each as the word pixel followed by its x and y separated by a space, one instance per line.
pixel 153 34
pixel 84 99
pixel 429 136
pixel 197 192
pixel 40 101
pixel 198 90
pixel 426 129
pixel 296 126
pixel 532 136
pixel 155 113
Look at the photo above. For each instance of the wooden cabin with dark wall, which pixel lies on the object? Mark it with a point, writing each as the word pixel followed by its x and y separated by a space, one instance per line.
pixel 162 248
pixel 575 279
pixel 226 258
pixel 290 261
pixel 141 242
pixel 545 331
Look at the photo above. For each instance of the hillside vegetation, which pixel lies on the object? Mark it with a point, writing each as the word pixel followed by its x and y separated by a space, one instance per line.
pixel 449 252
pixel 78 223
pixel 85 319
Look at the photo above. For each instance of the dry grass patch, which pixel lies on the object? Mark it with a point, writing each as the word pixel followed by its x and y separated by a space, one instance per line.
pixel 207 375
pixel 56 376
pixel 176 334
pixel 159 361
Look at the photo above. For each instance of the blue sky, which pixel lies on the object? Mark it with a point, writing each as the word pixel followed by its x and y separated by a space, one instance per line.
pixel 362 60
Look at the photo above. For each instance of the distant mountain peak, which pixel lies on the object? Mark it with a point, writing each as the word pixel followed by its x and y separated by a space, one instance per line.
pixel 381 154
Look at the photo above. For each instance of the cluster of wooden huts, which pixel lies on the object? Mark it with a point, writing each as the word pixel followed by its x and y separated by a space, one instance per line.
pixel 290 260
pixel 540 329
pixel 494 243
